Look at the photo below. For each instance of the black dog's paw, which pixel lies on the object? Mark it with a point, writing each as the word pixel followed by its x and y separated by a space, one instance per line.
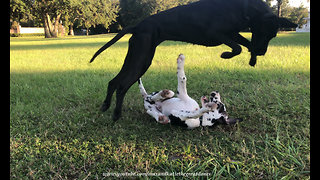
pixel 227 55
pixel 116 115
pixel 104 107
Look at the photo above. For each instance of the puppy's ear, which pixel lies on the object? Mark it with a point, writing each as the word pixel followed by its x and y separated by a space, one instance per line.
pixel 285 23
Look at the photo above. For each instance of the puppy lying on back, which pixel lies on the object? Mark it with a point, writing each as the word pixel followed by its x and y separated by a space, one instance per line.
pixel 183 110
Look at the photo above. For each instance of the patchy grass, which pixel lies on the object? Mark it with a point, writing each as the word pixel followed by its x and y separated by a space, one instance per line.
pixel 57 131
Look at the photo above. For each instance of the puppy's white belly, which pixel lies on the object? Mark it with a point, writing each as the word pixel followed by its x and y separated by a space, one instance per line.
pixel 176 104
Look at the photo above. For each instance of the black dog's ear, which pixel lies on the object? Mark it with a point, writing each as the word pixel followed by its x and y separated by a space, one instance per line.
pixel 269 17
pixel 285 23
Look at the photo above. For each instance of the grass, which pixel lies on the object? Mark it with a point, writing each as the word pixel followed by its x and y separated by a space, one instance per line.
pixel 57 131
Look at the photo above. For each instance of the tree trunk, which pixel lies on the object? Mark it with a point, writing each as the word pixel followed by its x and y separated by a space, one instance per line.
pixel 279 6
pixel 47 33
pixel 279 11
pixel 56 26
pixel 51 30
pixel 71 30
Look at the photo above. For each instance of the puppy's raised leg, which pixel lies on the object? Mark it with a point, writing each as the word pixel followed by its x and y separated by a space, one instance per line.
pixel 142 89
pixel 150 105
pixel 155 96
pixel 182 79
pixel 162 95
pixel 155 113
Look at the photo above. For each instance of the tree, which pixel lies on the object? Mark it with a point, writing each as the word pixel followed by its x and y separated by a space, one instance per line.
pixel 268 2
pixel 134 11
pixel 71 15
pixel 298 15
pixel 294 14
pixel 49 12
pixel 18 9
pixel 90 13
pixel 281 4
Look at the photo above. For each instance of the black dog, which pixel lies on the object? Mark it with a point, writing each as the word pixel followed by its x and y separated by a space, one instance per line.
pixel 206 22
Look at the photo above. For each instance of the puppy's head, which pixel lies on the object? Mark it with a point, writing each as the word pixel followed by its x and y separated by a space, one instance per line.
pixel 218 113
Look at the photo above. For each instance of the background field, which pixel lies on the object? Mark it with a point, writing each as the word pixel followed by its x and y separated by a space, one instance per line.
pixel 57 131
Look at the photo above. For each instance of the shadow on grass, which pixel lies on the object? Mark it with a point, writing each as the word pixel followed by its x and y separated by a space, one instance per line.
pixel 66 104
pixel 55 125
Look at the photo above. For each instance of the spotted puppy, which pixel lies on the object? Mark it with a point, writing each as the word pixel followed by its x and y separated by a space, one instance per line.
pixel 183 110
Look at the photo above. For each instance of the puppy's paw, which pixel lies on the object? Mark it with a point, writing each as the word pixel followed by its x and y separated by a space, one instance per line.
pixel 180 59
pixel 163 119
pixel 167 93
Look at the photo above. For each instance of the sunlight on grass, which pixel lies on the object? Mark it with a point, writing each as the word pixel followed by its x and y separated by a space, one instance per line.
pixel 65 54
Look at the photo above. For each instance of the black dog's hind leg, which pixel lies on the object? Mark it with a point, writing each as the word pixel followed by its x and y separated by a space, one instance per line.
pixel 140 53
pixel 112 86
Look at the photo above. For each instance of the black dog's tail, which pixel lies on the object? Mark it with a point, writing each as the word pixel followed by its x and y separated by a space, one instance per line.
pixel 112 41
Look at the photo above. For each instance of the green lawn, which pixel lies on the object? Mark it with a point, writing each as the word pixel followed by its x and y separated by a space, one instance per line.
pixel 57 131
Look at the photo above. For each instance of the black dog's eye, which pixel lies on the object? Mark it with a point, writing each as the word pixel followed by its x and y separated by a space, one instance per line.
pixel 213 94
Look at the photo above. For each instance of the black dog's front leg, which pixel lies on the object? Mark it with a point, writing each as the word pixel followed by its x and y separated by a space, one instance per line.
pixel 236 49
pixel 245 42
pixel 253 59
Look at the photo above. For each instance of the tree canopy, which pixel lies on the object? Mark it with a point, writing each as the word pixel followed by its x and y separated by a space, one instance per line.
pixel 90 13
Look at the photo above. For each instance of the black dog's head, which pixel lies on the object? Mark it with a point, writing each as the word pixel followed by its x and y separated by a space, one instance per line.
pixel 264 29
